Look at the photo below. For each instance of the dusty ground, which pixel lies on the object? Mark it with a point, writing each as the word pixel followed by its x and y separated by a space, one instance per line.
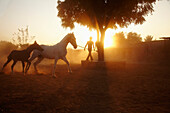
pixel 138 89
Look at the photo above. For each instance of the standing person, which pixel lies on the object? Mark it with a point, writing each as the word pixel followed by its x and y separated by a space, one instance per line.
pixel 90 44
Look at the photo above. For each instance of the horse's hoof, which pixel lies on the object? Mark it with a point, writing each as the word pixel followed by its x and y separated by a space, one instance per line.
pixel 25 72
pixel 70 72
pixel 36 72
pixel 54 76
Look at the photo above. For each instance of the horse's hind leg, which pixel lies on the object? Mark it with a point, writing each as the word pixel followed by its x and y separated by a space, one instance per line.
pixel 6 63
pixel 27 66
pixel 55 62
pixel 40 58
pixel 12 67
pixel 33 56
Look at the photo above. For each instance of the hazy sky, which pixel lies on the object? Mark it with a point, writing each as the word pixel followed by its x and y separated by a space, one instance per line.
pixel 41 17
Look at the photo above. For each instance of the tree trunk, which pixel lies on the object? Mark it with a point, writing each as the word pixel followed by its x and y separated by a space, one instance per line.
pixel 101 46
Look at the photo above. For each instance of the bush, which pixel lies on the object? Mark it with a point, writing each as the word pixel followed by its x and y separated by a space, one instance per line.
pixel 6 48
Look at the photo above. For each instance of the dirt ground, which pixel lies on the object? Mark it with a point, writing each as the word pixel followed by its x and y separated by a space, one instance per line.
pixel 137 89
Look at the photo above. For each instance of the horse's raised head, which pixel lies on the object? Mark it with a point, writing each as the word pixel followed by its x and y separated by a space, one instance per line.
pixel 35 42
pixel 37 46
pixel 72 40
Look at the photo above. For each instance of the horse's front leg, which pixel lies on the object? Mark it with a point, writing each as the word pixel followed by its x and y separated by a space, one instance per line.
pixel 23 66
pixel 55 62
pixel 68 64
pixel 12 67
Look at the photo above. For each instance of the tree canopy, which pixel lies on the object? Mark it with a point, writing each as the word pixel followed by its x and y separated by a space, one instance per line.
pixel 119 39
pixel 103 14
pixel 148 38
pixel 133 37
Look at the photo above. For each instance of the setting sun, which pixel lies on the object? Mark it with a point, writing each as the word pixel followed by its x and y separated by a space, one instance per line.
pixel 83 33
pixel 84 56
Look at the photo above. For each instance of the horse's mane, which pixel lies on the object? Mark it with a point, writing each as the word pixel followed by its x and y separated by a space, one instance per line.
pixel 66 37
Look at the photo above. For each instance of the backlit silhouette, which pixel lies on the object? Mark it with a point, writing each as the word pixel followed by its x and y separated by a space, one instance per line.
pixel 57 51
pixel 90 45
pixel 21 55
pixel 103 14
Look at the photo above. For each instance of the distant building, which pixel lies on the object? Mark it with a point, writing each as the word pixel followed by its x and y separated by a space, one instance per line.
pixel 154 51
pixel 165 38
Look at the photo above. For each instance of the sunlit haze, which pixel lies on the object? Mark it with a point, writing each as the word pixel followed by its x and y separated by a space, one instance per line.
pixel 41 17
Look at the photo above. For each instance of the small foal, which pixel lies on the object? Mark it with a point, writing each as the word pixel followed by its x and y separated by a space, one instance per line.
pixel 21 55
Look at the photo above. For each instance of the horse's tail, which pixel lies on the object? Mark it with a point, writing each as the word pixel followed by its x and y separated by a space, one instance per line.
pixel 9 59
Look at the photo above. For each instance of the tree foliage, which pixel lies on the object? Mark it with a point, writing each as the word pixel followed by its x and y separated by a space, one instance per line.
pixel 103 14
pixel 133 37
pixel 148 38
pixel 22 37
pixel 119 39
pixel 6 47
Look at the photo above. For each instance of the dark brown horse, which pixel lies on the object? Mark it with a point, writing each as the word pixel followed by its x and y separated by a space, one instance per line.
pixel 21 55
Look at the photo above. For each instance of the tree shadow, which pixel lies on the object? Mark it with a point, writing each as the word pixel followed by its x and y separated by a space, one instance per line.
pixel 96 98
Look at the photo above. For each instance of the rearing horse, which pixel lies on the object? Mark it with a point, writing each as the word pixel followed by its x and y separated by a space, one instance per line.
pixel 56 52
pixel 21 55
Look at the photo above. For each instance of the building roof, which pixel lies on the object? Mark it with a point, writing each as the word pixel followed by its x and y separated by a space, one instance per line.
pixel 165 38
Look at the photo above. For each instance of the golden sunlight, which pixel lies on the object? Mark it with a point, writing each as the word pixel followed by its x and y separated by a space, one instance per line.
pixel 108 42
pixel 83 34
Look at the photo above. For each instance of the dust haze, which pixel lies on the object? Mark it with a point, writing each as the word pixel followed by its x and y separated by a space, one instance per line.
pixel 148 52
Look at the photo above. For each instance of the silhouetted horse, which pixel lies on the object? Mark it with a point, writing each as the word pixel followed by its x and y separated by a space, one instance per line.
pixel 21 55
pixel 56 52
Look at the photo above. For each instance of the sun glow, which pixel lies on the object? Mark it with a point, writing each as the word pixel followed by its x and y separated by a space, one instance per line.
pixel 83 34
pixel 108 42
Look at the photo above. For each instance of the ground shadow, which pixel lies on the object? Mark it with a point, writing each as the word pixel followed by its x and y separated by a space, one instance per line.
pixel 96 98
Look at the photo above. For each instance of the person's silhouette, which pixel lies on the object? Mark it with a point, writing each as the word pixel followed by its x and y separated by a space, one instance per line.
pixel 90 45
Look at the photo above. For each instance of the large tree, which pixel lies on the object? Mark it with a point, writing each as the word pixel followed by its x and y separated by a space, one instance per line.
pixel 103 14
